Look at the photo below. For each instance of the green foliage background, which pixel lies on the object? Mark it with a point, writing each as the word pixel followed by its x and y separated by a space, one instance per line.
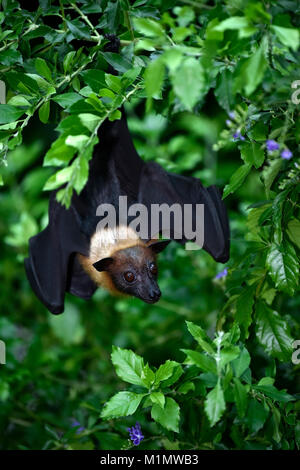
pixel 209 366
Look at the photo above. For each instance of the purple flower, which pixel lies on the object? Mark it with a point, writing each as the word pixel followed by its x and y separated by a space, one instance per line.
pixel 222 274
pixel 238 136
pixel 228 122
pixel 272 145
pixel 231 114
pixel 76 423
pixel 136 434
pixel 286 154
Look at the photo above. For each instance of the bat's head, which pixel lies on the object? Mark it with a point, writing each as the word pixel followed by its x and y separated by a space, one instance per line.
pixel 133 270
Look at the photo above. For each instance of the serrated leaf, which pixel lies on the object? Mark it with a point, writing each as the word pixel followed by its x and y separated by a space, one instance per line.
pixel 201 337
pixel 204 362
pixel 159 398
pixel 129 366
pixel 224 90
pixel 287 36
pixel 165 371
pixel 270 172
pixel 244 307
pixel 189 82
pixel 214 404
pixel 273 333
pixel 252 153
pixel 283 267
pixel 148 27
pixel 241 363
pixel 167 417
pixel 122 404
pixel 257 414
pixel 154 77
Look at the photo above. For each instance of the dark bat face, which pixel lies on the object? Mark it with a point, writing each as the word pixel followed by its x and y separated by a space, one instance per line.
pixel 134 271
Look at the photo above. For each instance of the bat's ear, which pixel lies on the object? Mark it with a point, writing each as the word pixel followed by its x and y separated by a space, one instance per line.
pixel 103 264
pixel 158 245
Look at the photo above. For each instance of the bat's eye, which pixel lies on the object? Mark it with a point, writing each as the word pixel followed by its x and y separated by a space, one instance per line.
pixel 153 268
pixel 129 276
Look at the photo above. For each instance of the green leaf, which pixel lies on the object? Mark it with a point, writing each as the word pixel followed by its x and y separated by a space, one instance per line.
pixel 237 179
pixel 121 404
pixel 44 112
pixel 167 417
pixel 189 82
pixel 43 69
pixel 148 27
pixel 10 57
pixel 287 36
pixel 293 231
pixel 94 79
pixel 214 404
pixel 244 307
pixel 253 153
pixel 129 366
pixel 58 179
pixel 240 397
pixel 273 333
pixel 201 337
pixel 228 354
pixel 256 415
pixel 270 172
pixel 254 70
pixel 59 154
pixel 119 63
pixel 274 393
pixel 78 29
pixel 241 363
pixel 158 397
pixel 66 100
pixel 204 362
pixel 9 113
pixel 81 172
pixel 154 77
pixel 165 371
pixel 235 22
pixel 77 141
pixel 283 267
pixel 224 90
pixel 68 60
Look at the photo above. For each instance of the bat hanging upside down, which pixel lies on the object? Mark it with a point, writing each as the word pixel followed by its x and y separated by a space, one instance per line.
pixel 73 255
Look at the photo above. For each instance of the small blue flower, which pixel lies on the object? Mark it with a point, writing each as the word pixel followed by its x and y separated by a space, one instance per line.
pixel 222 274
pixel 231 114
pixel 76 423
pixel 286 154
pixel 136 434
pixel 228 122
pixel 238 136
pixel 272 145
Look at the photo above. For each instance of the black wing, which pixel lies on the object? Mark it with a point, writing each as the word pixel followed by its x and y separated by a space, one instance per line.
pixel 158 187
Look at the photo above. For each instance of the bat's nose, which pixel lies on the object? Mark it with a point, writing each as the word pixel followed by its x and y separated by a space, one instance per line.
pixel 155 294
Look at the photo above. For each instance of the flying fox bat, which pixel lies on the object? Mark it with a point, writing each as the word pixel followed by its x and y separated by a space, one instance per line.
pixel 71 255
